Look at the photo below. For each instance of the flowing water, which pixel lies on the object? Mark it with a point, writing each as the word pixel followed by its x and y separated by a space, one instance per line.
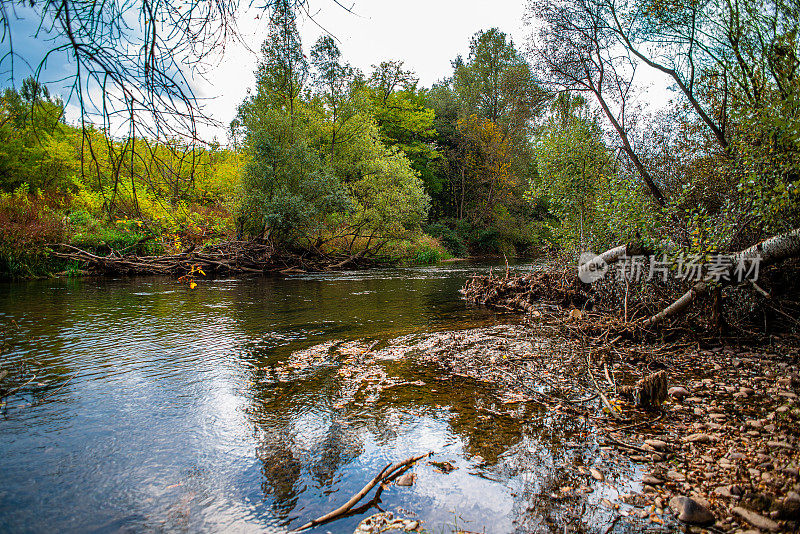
pixel 156 408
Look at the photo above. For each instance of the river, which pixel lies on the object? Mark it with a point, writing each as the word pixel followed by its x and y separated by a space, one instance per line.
pixel 157 408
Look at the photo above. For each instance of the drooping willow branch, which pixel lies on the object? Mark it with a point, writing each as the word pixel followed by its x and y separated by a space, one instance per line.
pixel 131 66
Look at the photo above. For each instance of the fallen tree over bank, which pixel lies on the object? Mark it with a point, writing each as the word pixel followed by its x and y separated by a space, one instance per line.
pixel 565 286
pixel 768 252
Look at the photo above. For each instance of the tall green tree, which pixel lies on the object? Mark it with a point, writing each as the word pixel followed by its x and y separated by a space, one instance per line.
pixel 404 119
pixel 283 70
pixel 333 80
pixel 34 145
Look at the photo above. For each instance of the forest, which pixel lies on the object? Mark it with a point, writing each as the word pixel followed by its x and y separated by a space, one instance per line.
pixel 554 291
pixel 519 150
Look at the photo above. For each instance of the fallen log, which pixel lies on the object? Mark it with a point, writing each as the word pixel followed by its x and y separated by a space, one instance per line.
pixel 608 257
pixel 768 252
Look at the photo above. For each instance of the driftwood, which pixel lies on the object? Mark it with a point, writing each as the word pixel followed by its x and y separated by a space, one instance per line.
pixel 521 292
pixel 256 256
pixel 565 287
pixel 228 257
pixel 386 475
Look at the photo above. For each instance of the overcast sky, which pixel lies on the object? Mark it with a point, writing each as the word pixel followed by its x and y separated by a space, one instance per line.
pixel 427 35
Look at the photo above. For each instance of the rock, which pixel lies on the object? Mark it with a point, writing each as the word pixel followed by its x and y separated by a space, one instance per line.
pixel 657 444
pixel 724 492
pixel 789 509
pixel 691 512
pixel 386 522
pixel 406 480
pixel 597 475
pixel 651 480
pixel 757 520
pixel 678 392
pixel 677 477
pixel 779 445
pixel 698 438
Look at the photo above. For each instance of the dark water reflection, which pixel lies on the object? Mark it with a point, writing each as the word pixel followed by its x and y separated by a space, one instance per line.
pixel 164 420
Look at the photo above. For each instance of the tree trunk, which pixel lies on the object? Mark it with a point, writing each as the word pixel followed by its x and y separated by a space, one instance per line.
pixel 770 251
pixel 610 256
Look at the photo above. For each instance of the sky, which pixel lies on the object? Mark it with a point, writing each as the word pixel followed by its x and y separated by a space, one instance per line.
pixel 426 34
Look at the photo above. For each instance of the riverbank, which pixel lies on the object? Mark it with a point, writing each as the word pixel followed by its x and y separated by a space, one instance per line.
pixel 721 452
pixel 254 256
pixel 713 419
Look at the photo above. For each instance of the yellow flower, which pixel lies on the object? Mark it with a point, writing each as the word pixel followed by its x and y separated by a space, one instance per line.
pixel 192 285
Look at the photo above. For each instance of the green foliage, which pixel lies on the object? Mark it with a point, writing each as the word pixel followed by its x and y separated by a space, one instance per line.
pixel 121 236
pixel 34 148
pixel 420 249
pixel 319 166
pixel 28 223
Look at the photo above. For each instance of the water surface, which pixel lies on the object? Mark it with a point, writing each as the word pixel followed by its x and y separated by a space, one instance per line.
pixel 156 408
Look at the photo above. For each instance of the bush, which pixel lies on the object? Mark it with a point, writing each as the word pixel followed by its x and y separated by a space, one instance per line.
pixel 123 235
pixel 28 223
pixel 449 237
pixel 421 250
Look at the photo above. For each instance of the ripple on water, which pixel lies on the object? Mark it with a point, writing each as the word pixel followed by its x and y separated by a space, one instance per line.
pixel 160 408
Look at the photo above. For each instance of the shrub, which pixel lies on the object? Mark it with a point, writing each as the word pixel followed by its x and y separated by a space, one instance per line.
pixel 27 224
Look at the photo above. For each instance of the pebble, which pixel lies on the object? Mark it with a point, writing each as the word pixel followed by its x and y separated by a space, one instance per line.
pixel 678 392
pixel 657 444
pixel 691 512
pixel 698 438
pixel 597 475
pixel 757 520
pixel 677 477
pixel 406 480
pixel 723 491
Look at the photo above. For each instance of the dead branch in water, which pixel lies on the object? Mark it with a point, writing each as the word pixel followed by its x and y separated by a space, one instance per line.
pixel 256 256
pixel 386 475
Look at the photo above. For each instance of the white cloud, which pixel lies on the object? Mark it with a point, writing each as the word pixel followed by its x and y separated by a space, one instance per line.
pixel 427 35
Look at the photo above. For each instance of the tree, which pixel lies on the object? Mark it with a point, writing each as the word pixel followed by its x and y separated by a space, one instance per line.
pixel 575 51
pixel 574 167
pixel 283 69
pixel 404 119
pixel 496 82
pixel 333 79
pixel 34 147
